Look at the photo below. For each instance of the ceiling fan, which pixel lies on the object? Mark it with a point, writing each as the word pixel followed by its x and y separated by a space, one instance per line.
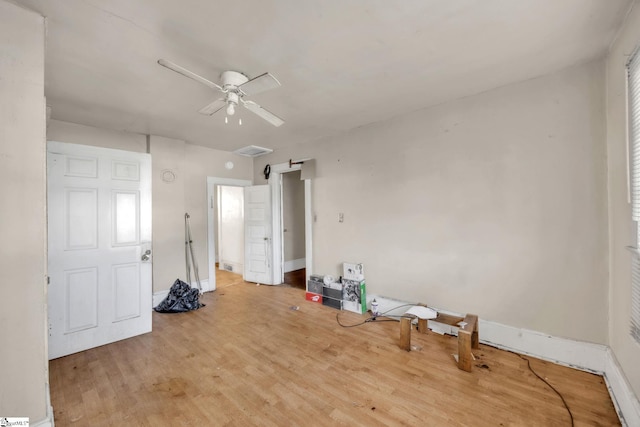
pixel 234 86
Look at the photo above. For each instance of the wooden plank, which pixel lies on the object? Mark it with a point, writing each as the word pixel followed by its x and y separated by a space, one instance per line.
pixel 448 319
pixel 464 350
pixel 405 333
pixel 422 326
pixel 472 322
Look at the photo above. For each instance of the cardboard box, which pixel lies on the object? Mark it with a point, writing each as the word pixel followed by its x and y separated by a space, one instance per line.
pixel 332 302
pixel 353 271
pixel 332 292
pixel 354 296
pixel 315 286
pixel 310 296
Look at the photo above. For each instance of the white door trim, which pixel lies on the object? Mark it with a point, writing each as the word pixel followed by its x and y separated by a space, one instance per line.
pixel 212 181
pixel 275 181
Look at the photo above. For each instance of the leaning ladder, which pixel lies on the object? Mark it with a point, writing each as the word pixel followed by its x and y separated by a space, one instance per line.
pixel 190 259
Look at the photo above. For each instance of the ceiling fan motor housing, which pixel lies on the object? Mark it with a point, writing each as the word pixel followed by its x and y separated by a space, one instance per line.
pixel 232 79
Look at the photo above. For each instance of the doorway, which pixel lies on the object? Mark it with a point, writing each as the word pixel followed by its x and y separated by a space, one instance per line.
pixel 230 228
pixel 293 230
pixel 278 171
pixel 277 249
pixel 213 226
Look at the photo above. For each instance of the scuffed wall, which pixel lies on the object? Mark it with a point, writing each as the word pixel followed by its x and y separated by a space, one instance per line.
pixel 493 204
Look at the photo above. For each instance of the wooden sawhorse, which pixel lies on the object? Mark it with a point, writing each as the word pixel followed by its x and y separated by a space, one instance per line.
pixel 468 337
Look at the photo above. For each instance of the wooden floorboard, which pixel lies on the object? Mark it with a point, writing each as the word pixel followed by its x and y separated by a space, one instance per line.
pixel 250 358
pixel 296 278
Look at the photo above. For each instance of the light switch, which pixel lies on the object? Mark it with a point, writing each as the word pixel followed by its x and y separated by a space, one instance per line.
pixel 340 217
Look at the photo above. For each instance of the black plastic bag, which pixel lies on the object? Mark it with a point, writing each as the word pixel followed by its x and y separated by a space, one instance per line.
pixel 181 298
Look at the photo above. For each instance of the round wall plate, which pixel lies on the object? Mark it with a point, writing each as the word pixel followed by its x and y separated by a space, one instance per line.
pixel 168 175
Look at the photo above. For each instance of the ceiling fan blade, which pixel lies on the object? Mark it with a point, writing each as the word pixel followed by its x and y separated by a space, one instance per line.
pixel 178 69
pixel 214 107
pixel 259 84
pixel 267 115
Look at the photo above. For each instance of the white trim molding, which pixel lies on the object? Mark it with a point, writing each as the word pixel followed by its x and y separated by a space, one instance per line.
pixel 295 264
pixel 159 296
pixel 624 399
pixel 574 354
pixel 48 420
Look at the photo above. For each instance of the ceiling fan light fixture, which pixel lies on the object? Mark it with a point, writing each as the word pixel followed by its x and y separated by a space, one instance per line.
pixel 234 86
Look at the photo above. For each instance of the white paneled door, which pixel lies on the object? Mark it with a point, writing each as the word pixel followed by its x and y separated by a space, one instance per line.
pixel 99 261
pixel 257 234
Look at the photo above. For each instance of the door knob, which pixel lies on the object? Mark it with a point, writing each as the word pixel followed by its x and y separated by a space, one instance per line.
pixel 146 256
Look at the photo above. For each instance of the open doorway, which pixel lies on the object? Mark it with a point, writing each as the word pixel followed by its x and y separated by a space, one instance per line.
pixel 276 248
pixel 230 228
pixel 223 249
pixel 278 171
pixel 293 230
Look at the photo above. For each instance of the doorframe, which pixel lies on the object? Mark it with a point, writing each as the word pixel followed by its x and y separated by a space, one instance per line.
pixel 275 182
pixel 212 181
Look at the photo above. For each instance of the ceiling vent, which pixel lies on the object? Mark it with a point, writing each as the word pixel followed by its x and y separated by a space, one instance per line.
pixel 253 151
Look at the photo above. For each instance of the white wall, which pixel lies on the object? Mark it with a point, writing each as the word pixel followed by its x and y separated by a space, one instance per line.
pixel 167 157
pixel 203 162
pixel 23 358
pixel 73 133
pixel 626 350
pixel 493 204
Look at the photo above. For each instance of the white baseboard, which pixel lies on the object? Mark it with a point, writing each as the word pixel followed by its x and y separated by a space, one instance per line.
pixel 625 401
pixel 575 354
pixel 204 283
pixel 48 420
pixel 236 267
pixel 296 264
pixel 160 295
pixel 595 358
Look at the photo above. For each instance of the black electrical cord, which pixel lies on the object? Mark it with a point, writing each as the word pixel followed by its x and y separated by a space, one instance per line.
pixel 373 318
pixel 546 382
pixel 367 320
pixel 351 326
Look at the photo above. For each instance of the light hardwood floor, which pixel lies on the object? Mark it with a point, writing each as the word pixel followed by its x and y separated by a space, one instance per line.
pixel 250 358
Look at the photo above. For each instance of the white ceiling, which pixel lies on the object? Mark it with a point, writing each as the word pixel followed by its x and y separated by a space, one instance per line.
pixel 342 64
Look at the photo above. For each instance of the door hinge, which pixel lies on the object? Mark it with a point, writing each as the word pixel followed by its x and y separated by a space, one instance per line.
pixel 48 280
